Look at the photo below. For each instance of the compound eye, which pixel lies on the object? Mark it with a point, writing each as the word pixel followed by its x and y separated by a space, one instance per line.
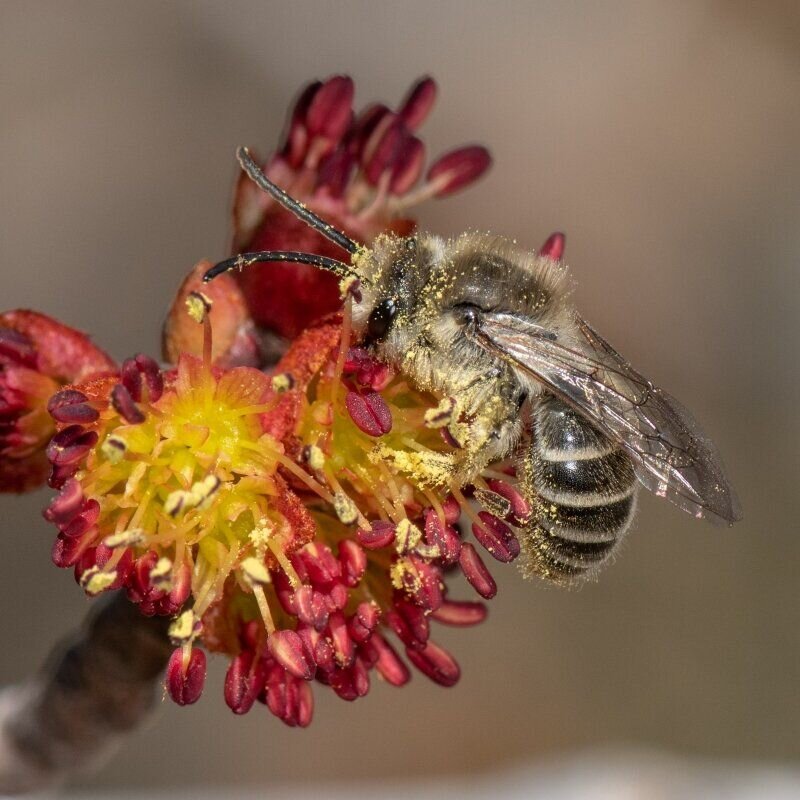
pixel 467 314
pixel 380 320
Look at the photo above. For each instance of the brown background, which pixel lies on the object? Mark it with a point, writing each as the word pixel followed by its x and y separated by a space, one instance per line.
pixel 662 137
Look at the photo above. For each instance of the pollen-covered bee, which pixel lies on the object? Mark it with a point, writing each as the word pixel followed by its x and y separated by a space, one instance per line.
pixel 491 326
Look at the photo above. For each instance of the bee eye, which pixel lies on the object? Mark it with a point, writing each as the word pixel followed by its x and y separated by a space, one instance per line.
pixel 380 320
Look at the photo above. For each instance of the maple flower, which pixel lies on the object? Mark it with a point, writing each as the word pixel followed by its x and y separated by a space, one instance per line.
pixel 298 519
pixel 360 172
pixel 38 355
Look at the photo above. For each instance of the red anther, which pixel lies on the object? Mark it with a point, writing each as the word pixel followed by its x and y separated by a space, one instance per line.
pixel 243 682
pixel 369 412
pixel 330 111
pixel 435 662
pixel 287 649
pixel 17 347
pixel 554 246
pixel 385 152
pixel 337 597
pixel 131 378
pixel 181 587
pixel 381 533
pixel 318 648
pixel 125 406
pixel 66 551
pixel 85 519
pixel 364 621
pixel 303 705
pixel 342 682
pixel 354 562
pixel 428 592
pixel 388 663
pixel 458 168
pixel 70 406
pixel 138 584
pixel 418 103
pixel 401 628
pixel 289 698
pixel 87 560
pixel 344 650
pixel 496 537
pixel 66 504
pixel 360 678
pixel 335 171
pixel 294 150
pixel 70 445
pixel 153 379
pixel 356 359
pixel 284 589
pixel 520 507
pixel 452 510
pixel 410 623
pixel 60 473
pixel 250 634
pixel 460 613
pixel 320 563
pixel 408 165
pixel 365 126
pixel 475 571
pixel 311 607
pixel 185 679
pixel 148 608
pixel 446 539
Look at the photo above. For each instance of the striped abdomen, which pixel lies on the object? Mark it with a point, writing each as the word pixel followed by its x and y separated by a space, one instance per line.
pixel 586 488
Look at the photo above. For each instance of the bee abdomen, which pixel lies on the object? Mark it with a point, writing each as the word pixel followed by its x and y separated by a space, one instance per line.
pixel 585 487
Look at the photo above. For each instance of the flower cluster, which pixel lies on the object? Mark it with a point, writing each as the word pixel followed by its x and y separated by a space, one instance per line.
pixel 296 517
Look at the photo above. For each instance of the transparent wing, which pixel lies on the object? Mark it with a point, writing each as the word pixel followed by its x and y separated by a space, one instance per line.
pixel 672 456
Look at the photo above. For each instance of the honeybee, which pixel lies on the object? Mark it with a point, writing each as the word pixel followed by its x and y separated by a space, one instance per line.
pixel 480 320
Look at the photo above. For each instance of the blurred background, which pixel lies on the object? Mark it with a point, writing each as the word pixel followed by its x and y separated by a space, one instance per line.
pixel 663 138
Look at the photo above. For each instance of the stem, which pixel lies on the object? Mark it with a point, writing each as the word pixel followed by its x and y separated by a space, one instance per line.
pixel 94 688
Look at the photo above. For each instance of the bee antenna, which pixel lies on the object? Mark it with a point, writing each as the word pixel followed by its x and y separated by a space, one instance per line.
pixel 256 174
pixel 338 268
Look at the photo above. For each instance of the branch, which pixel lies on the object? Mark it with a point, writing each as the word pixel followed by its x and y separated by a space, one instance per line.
pixel 94 688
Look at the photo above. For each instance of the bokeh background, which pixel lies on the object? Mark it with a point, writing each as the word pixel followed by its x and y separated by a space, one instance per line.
pixel 662 137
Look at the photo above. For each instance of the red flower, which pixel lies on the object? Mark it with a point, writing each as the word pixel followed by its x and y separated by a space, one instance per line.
pixel 359 172
pixel 38 355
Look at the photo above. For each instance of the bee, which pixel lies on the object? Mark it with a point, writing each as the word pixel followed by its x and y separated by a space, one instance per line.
pixel 482 321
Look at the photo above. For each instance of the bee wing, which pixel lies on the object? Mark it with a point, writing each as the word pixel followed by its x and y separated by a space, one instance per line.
pixel 672 456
